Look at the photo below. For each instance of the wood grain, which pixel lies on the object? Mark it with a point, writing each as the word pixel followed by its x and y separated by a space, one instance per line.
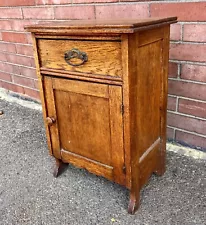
pixel 163 101
pixel 150 36
pixel 89 121
pixel 88 164
pixel 149 164
pixel 83 38
pixel 134 120
pixel 51 112
pixel 41 91
pixel 79 87
pixel 103 57
pixel 78 75
pixel 148 94
pixel 109 114
pixel 84 126
pixel 126 104
pixel 116 123
pixel 115 26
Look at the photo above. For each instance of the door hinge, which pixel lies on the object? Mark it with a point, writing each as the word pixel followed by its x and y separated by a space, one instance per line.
pixel 124 169
pixel 122 109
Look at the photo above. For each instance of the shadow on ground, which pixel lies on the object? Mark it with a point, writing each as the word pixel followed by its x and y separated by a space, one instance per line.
pixel 29 194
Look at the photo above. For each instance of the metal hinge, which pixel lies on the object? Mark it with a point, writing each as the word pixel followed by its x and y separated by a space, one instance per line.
pixel 122 109
pixel 124 169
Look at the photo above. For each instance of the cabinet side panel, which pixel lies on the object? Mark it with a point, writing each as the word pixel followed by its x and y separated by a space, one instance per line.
pixel 148 94
pixel 166 42
pixel 149 74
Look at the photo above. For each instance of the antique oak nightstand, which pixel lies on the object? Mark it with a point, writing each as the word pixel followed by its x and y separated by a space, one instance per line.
pixel 103 87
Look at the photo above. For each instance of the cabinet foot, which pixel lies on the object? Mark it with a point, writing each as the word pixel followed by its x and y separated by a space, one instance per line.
pixel 59 165
pixel 133 204
pixel 160 171
pixel 160 168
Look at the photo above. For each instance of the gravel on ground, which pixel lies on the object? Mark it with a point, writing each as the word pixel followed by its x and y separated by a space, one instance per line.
pixel 29 194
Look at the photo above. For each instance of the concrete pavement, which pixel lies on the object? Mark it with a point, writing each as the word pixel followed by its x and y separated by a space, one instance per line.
pixel 30 195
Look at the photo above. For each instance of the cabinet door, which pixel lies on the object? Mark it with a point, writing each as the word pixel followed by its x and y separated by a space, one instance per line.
pixel 88 127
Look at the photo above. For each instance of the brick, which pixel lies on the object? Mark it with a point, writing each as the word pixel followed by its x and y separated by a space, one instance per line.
pixel 93 1
pixel 38 13
pixel 74 12
pixel 170 133
pixel 16 69
pixel 32 93
pixel 194 32
pixel 14 37
pixel 33 63
pixel 192 107
pixel 21 60
pixel 29 38
pixel 24 50
pixel 36 84
pixel 3 56
pixel 28 72
pixel 7 47
pixel 52 2
pixel 191 52
pixel 122 11
pixel 5 76
pixel 19 24
pixel 187 89
pixel 187 123
pixel 5 25
pixel 11 13
pixel 173 70
pixel 187 11
pixel 191 139
pixel 175 32
pixel 171 104
pixel 193 72
pixel 23 81
pixel 6 67
pixel 11 87
pixel 9 68
pixel 16 2
pixel 0 36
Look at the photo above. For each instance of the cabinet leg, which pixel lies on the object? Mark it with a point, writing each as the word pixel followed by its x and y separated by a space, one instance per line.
pixel 134 202
pixel 58 167
pixel 160 170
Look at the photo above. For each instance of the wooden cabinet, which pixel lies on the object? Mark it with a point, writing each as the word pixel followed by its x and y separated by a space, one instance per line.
pixel 103 88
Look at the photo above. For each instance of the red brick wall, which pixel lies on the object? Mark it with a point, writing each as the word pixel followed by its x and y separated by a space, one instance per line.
pixel 187 74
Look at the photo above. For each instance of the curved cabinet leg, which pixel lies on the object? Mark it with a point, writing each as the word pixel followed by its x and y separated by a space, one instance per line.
pixel 160 170
pixel 58 167
pixel 133 203
pixel 134 200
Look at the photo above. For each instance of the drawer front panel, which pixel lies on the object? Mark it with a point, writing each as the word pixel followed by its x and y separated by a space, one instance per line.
pixel 99 57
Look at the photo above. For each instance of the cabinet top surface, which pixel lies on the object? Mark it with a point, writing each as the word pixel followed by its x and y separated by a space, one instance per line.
pixel 116 26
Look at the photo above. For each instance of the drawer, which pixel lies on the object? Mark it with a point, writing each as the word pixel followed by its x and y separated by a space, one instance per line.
pixel 96 57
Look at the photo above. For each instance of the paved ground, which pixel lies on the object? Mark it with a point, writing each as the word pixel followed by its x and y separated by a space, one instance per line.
pixel 30 195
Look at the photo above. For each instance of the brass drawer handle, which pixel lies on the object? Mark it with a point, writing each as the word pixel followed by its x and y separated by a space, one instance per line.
pixel 75 53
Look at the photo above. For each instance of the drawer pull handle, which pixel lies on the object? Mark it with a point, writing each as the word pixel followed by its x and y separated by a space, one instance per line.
pixel 50 121
pixel 75 53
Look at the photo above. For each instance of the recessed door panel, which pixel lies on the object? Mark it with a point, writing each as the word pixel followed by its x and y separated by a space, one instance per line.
pixel 85 129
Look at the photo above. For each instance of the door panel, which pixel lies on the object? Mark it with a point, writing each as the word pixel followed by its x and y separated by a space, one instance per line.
pixel 85 129
pixel 88 129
